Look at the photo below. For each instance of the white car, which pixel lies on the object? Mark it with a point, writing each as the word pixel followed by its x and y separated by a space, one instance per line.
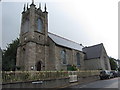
pixel 105 74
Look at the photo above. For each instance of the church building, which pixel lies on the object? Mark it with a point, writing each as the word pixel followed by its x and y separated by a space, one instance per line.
pixel 96 58
pixel 41 50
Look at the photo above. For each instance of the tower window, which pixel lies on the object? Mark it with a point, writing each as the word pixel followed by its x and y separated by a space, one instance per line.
pixel 39 37
pixel 63 56
pixel 26 25
pixel 39 22
pixel 78 58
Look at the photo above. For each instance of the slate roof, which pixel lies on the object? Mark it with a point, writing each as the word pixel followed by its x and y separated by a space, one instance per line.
pixel 64 42
pixel 93 52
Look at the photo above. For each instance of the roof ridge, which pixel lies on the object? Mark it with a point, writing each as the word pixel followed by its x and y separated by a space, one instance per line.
pixel 64 38
pixel 94 45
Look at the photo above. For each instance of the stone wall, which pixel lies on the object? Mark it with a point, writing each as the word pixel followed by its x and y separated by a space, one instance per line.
pixel 22 76
pixel 30 55
pixel 47 79
pixel 105 60
pixel 70 58
pixel 53 83
pixel 99 63
pixel 33 46
pixel 93 64
pixel 50 62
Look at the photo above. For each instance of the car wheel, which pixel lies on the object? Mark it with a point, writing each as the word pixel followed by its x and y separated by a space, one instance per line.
pixel 108 77
pixel 101 78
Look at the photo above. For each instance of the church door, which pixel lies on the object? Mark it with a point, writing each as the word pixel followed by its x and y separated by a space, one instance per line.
pixel 38 66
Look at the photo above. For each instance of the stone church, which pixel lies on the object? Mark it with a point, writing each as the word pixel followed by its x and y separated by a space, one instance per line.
pixel 41 50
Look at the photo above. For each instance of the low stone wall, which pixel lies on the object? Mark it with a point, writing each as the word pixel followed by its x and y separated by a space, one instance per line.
pixel 59 81
pixel 23 76
pixel 53 83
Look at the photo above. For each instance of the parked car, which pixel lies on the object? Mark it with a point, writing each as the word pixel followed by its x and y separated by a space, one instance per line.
pixel 115 73
pixel 118 73
pixel 105 74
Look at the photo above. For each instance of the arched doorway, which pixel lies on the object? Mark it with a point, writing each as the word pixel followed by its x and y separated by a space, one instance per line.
pixel 38 66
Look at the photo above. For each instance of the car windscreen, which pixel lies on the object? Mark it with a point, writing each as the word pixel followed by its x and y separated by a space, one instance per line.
pixel 102 72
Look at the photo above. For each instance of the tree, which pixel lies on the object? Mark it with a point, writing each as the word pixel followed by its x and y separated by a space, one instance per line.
pixel 113 64
pixel 9 56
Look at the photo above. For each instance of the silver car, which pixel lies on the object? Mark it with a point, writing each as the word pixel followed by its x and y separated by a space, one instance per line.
pixel 105 74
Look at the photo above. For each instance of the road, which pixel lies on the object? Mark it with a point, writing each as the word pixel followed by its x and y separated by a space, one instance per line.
pixel 108 83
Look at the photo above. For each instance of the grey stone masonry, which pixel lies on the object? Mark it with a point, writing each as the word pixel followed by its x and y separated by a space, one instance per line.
pixel 41 50
pixel 32 52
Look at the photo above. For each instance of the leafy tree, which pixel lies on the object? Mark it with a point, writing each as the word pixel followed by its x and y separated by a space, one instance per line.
pixel 9 56
pixel 113 64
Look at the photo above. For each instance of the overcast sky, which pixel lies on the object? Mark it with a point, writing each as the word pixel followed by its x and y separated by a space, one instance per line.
pixel 88 22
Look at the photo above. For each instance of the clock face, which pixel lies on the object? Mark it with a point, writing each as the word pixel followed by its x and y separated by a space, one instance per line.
pixel 39 22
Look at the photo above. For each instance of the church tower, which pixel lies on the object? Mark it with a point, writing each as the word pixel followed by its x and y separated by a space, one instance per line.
pixel 32 52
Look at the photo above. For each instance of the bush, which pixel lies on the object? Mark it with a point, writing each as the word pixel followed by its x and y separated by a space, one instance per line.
pixel 72 68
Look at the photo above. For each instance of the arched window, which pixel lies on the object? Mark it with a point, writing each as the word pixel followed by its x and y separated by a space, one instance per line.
pixel 26 26
pixel 63 56
pixel 39 22
pixel 78 58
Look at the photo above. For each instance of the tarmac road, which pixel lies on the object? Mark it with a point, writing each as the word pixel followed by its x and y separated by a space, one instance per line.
pixel 108 83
